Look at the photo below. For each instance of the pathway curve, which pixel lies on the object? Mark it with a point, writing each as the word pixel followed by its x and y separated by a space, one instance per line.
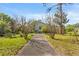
pixel 38 46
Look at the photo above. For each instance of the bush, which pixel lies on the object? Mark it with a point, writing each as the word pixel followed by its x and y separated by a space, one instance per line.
pixel 69 28
pixel 29 36
pixel 8 35
pixel 70 33
pixel 51 35
pixel 44 29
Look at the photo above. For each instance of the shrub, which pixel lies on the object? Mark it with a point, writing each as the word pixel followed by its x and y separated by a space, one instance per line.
pixel 70 33
pixel 8 35
pixel 29 36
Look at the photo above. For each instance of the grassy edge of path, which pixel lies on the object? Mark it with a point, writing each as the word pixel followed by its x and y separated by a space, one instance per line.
pixel 11 46
pixel 63 47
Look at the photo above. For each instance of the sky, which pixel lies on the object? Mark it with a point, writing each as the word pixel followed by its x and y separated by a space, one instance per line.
pixel 38 11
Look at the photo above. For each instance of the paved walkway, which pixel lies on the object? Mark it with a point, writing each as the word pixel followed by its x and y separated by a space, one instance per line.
pixel 38 46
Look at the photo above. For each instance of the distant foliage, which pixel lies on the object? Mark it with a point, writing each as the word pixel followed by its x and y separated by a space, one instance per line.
pixel 70 28
pixel 44 29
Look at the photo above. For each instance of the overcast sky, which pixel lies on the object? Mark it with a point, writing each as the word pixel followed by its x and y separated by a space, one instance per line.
pixel 37 10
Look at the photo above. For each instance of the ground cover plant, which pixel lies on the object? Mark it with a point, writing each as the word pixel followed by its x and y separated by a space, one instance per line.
pixel 11 46
pixel 65 45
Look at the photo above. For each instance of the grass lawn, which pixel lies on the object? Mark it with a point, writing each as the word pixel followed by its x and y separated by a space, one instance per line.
pixel 10 46
pixel 65 45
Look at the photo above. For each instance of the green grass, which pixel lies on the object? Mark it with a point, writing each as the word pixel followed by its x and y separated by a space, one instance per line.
pixel 10 46
pixel 65 38
pixel 63 45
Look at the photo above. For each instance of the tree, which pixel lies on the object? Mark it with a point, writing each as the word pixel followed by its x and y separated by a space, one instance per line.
pixel 60 11
pixel 25 27
pixel 22 26
pixel 58 21
pixel 35 25
pixel 32 24
pixel 51 25
pixel 51 28
pixel 13 26
pixel 4 22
